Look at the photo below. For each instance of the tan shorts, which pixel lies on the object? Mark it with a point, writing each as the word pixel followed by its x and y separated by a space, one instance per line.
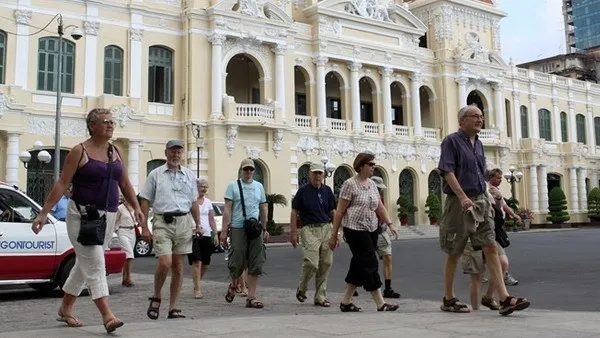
pixel 457 227
pixel 384 244
pixel 174 238
pixel 472 261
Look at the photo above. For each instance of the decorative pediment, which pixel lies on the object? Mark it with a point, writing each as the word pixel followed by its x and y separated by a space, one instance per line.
pixel 384 11
pixel 476 52
pixel 254 9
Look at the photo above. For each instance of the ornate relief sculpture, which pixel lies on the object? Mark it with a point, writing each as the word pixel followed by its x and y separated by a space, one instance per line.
pixel 372 9
pixel 249 7
pixel 232 132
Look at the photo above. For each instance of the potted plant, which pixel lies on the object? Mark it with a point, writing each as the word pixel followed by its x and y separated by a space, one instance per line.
pixel 434 208
pixel 405 208
pixel 557 206
pixel 272 199
pixel 594 205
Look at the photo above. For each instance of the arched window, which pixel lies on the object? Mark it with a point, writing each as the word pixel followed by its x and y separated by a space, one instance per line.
pixel 544 122
pixel 113 70
pixel 48 65
pixel 2 56
pixel 563 127
pixel 524 123
pixel 580 123
pixel 597 130
pixel 153 164
pixel 160 75
pixel 303 174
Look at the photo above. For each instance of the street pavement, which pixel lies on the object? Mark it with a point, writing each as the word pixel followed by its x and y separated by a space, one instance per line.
pixel 558 271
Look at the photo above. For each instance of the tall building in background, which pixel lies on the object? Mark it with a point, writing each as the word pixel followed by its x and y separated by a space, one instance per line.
pixel 582 24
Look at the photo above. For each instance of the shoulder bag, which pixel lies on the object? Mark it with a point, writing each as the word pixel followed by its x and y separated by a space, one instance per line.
pixel 501 235
pixel 252 226
pixel 93 226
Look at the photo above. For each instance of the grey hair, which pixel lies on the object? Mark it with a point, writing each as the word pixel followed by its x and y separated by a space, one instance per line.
pixel 201 180
pixel 94 116
pixel 464 110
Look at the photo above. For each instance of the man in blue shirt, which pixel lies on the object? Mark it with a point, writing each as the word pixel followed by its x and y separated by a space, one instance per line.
pixel 245 252
pixel 315 204
pixel 59 211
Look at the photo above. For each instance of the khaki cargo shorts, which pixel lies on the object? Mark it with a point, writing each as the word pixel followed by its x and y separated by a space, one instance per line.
pixel 472 261
pixel 384 244
pixel 457 226
pixel 245 254
pixel 172 239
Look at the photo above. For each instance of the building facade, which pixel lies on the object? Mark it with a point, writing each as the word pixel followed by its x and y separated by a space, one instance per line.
pixel 288 82
pixel 582 30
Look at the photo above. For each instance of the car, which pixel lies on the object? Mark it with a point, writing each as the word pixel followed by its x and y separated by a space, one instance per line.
pixel 42 261
pixel 143 248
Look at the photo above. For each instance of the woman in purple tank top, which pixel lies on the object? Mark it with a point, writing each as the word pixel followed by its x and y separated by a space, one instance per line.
pixel 87 168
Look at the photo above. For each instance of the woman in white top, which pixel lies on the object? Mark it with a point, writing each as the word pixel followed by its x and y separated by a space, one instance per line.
pixel 203 247
pixel 125 225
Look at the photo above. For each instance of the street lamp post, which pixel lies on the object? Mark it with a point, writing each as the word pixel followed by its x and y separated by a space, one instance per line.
pixel 513 177
pixel 76 34
pixel 43 158
pixel 199 145
pixel 328 167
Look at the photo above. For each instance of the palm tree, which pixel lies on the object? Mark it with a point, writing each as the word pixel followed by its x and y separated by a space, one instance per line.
pixel 273 199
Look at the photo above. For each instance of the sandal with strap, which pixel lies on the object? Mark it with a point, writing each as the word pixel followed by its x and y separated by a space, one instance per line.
pixel 511 304
pixel 300 296
pixel 127 283
pixel 454 305
pixel 112 324
pixel 388 307
pixel 230 294
pixel 175 313
pixel 324 303
pixel 153 311
pixel 71 321
pixel 254 303
pixel 349 307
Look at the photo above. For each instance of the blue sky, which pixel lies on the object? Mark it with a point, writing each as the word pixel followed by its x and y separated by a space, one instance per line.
pixel 533 29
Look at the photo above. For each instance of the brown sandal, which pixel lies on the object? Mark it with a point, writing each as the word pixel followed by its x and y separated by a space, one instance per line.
pixel 254 303
pixel 454 305
pixel 71 321
pixel 324 303
pixel 230 294
pixel 511 304
pixel 112 324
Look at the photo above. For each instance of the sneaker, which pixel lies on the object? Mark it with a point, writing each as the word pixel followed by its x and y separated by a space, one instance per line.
pixel 509 280
pixel 484 280
pixel 490 303
pixel 390 293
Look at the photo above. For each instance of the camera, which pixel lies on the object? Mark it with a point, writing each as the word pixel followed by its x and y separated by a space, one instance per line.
pixel 77 33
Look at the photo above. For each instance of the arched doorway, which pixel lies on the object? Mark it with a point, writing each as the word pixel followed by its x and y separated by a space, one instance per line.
pixel 242 82
pixel 301 91
pixel 398 93
pixel 426 99
pixel 340 175
pixel 553 180
pixel 407 188
pixel 334 95
pixel 153 164
pixel 259 174
pixel 476 98
pixel 434 184
pixel 303 174
pixel 379 173
pixel 40 177
pixel 367 99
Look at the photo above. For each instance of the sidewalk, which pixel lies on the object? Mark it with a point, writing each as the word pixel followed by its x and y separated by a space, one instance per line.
pixel 284 316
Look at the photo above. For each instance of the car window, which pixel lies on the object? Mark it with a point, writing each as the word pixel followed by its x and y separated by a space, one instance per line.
pixel 218 208
pixel 15 208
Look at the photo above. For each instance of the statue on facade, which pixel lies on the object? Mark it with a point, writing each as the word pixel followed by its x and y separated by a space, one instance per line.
pixel 249 7
pixel 372 9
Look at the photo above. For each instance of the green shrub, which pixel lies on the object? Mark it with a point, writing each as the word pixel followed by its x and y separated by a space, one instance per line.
pixel 594 204
pixel 274 229
pixel 557 206
pixel 405 207
pixel 434 206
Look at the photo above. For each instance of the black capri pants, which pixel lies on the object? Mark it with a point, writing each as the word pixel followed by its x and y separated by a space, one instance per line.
pixel 364 265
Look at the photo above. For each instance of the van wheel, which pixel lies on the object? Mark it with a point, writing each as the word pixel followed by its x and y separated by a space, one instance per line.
pixel 64 271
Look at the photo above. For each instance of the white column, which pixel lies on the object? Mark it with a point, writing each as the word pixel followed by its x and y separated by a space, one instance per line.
pixel 133 163
pixel 594 180
pixel 572 124
pixel 415 84
pixel 533 188
pixel 23 18
pixel 216 76
pixel 573 189
pixel 355 96
pixel 581 175
pixel 462 91
pixel 386 94
pixel 12 158
pixel 534 124
pixel 91 63
pixel 321 93
pixel 589 132
pixel 135 63
pixel 280 78
pixel 499 107
pixel 556 131
pixel 516 119
pixel 543 187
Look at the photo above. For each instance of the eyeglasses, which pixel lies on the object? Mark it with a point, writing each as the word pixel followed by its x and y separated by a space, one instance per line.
pixel 248 169
pixel 477 117
pixel 371 164
pixel 109 122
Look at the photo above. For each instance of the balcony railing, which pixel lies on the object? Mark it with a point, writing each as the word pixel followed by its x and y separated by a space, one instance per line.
pixel 370 128
pixel 402 131
pixel 254 110
pixel 489 134
pixel 337 126
pixel 431 133
pixel 252 114
pixel 304 122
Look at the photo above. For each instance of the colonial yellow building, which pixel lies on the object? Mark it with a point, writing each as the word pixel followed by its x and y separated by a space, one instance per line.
pixel 287 82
